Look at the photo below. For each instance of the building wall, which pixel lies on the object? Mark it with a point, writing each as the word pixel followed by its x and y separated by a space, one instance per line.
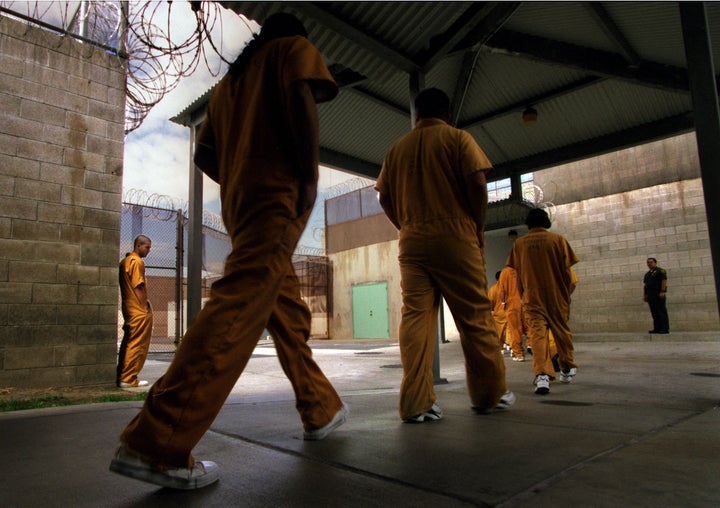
pixel 61 148
pixel 616 210
pixel 363 265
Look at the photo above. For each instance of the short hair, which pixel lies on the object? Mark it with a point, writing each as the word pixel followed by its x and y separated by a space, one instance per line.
pixel 538 218
pixel 654 260
pixel 432 103
pixel 497 274
pixel 141 239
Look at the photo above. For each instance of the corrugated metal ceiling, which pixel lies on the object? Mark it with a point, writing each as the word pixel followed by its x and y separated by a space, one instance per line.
pixel 602 75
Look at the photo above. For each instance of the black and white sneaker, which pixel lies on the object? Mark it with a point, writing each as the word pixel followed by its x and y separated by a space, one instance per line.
pixel 506 401
pixel 542 384
pixel 567 377
pixel 432 414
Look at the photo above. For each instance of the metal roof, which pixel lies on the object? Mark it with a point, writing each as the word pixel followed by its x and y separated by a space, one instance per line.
pixel 601 75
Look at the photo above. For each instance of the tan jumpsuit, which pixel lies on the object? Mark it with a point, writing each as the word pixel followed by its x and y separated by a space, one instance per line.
pixel 498 312
pixel 542 260
pixel 246 129
pixel 137 329
pixel 439 254
pixel 513 306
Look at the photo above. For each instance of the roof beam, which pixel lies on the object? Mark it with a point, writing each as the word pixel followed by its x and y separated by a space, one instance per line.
pixel 318 12
pixel 633 136
pixel 381 101
pixel 484 19
pixel 607 24
pixel 594 61
pixel 329 157
pixel 534 100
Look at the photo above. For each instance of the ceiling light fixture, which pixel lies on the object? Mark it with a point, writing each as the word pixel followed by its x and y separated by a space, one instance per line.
pixel 529 116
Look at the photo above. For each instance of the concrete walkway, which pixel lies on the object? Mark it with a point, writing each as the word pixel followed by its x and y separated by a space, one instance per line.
pixel 639 426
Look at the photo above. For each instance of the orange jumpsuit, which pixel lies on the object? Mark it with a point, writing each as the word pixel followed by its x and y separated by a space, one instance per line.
pixel 551 338
pixel 439 254
pixel 255 162
pixel 498 312
pixel 542 260
pixel 137 329
pixel 513 306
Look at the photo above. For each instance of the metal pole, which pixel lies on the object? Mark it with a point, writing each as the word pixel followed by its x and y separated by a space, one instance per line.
pixel 195 261
pixel 179 251
pixel 122 36
pixel 698 52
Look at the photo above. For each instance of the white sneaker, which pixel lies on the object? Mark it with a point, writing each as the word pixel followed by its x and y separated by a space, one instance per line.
pixel 318 434
pixel 201 474
pixel 542 384
pixel 507 400
pixel 566 377
pixel 140 384
pixel 432 414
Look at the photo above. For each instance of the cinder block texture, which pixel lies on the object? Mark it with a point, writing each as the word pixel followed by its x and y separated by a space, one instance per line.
pixel 61 147
pixel 616 210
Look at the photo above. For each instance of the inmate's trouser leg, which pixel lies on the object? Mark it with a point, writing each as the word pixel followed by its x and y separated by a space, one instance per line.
pixel 537 330
pixel 316 399
pixel 501 327
pixel 562 335
pixel 514 331
pixel 458 268
pixel 183 403
pixel 418 326
pixel 134 347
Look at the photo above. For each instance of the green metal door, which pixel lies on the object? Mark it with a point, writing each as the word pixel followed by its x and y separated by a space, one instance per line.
pixel 370 311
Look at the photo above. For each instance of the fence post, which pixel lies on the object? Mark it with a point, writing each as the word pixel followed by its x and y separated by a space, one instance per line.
pixel 179 254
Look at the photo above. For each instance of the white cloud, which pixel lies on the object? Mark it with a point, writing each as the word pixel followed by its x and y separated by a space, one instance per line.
pixel 157 154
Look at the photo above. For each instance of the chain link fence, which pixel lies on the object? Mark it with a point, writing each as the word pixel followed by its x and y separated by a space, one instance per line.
pixel 165 223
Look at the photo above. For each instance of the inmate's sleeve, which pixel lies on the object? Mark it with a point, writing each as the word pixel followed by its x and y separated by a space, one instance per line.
pixel 205 156
pixel 136 272
pixel 570 256
pixel 386 201
pixel 472 156
pixel 305 63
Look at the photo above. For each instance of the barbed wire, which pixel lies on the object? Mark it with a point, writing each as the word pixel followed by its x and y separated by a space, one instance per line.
pixel 150 35
pixel 159 204
pixel 345 187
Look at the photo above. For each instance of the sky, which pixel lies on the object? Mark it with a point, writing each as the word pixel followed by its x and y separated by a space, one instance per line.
pixel 157 154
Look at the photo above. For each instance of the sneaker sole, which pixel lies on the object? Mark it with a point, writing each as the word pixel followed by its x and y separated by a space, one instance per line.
pixel 158 478
pixel 321 433
pixel 542 391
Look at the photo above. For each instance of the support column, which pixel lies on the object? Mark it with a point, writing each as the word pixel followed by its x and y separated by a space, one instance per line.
pixel 194 257
pixel 703 87
pixel 416 84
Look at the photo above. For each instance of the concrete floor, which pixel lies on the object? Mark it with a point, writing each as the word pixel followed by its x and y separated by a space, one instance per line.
pixel 639 426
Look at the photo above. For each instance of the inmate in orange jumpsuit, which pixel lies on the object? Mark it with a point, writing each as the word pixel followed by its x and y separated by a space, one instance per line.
pixel 498 311
pixel 542 260
pixel 439 253
pixel 137 329
pixel 551 338
pixel 246 146
pixel 513 305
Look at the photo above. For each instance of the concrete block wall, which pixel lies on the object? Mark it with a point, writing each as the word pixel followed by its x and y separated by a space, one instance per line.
pixel 61 154
pixel 614 235
pixel 616 210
